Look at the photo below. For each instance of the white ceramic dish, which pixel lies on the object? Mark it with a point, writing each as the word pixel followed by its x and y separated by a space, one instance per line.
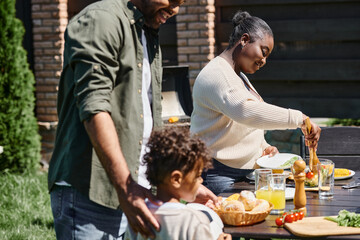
pixel 352 173
pixel 289 193
pixel 276 161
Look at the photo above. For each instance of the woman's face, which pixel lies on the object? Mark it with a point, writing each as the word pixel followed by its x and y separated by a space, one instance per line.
pixel 156 12
pixel 253 55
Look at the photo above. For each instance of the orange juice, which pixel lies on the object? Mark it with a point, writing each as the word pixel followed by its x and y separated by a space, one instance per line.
pixel 277 170
pixel 263 194
pixel 277 197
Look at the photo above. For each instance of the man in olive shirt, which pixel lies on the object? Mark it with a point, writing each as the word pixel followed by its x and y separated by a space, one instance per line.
pixel 108 101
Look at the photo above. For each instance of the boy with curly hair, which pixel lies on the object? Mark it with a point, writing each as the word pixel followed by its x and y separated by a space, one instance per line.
pixel 175 161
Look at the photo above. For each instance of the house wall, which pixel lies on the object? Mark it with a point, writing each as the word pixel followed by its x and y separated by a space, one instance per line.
pixel 194 29
pixel 315 63
pixel 49 20
pixel 314 66
pixel 196 35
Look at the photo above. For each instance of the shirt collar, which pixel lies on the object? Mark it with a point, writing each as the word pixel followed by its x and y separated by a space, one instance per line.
pixel 133 14
pixel 136 17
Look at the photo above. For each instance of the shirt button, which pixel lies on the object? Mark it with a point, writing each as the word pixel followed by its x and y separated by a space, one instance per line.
pixel 136 171
pixel 139 90
pixel 140 142
pixel 140 20
pixel 139 65
pixel 132 21
pixel 142 116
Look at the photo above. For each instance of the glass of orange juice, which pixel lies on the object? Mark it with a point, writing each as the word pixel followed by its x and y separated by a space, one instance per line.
pixel 277 186
pixel 262 184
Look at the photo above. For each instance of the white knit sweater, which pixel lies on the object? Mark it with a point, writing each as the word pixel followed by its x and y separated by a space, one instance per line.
pixel 230 119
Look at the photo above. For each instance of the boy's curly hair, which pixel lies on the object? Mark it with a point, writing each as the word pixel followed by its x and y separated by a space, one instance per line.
pixel 173 148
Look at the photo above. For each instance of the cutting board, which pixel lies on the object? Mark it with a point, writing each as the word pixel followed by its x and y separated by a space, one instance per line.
pixel 318 226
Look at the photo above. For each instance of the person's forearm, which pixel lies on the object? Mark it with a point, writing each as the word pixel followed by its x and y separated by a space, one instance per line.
pixel 104 139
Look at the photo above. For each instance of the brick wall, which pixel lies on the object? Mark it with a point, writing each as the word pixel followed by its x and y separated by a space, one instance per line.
pixel 196 35
pixel 196 47
pixel 49 18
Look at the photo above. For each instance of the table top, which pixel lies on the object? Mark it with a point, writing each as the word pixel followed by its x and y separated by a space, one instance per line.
pixel 348 199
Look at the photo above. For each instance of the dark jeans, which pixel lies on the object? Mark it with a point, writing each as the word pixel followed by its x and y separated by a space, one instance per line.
pixel 221 178
pixel 76 217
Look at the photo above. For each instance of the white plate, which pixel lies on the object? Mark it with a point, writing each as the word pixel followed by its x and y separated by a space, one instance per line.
pixel 352 173
pixel 289 193
pixel 276 161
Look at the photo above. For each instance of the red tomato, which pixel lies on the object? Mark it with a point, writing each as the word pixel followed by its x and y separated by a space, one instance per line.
pixel 279 221
pixel 296 216
pixel 301 215
pixel 289 218
pixel 310 175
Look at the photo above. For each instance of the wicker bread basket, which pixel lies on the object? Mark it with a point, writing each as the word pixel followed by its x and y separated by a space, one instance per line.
pixel 238 218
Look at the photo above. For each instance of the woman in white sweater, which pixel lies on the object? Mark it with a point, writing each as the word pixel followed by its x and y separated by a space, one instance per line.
pixel 229 115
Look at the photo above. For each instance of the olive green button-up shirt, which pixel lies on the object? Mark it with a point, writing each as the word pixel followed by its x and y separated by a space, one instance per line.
pixel 102 72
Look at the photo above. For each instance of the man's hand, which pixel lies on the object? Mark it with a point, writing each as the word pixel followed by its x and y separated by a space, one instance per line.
pixel 103 136
pixel 271 151
pixel 133 204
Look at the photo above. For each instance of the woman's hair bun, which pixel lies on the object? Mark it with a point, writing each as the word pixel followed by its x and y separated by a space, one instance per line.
pixel 239 17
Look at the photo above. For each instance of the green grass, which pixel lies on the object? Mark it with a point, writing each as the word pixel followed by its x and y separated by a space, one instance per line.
pixel 25 211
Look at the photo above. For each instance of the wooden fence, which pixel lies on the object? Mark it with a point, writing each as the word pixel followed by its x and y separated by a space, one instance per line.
pixel 315 64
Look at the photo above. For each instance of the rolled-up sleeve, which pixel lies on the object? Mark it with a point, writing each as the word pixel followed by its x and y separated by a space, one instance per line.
pixel 94 60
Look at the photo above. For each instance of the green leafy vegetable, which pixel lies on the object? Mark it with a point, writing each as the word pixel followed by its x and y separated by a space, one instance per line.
pixel 346 219
pixel 289 162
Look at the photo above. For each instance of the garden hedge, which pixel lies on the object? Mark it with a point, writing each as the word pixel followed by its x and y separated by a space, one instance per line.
pixel 18 125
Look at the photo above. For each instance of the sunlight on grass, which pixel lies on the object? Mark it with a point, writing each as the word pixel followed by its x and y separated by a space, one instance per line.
pixel 25 211
pixel 25 207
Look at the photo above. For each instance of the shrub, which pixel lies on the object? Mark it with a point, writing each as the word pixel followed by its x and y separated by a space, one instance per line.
pixel 345 122
pixel 18 126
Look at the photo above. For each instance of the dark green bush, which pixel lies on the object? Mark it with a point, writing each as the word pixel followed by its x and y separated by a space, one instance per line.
pixel 18 126
pixel 345 122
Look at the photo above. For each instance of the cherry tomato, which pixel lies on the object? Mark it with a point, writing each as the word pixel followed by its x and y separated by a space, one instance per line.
pixel 289 218
pixel 310 175
pixel 279 221
pixel 301 215
pixel 296 216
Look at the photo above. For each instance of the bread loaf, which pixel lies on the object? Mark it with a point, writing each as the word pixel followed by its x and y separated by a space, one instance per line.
pixel 248 199
pixel 261 205
pixel 233 205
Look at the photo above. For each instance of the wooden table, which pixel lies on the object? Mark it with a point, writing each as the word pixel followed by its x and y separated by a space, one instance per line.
pixel 348 199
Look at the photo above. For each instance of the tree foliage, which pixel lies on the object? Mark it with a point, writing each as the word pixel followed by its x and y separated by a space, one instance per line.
pixel 18 125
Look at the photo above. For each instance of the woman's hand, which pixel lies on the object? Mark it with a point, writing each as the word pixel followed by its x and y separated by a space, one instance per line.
pixel 312 138
pixel 271 151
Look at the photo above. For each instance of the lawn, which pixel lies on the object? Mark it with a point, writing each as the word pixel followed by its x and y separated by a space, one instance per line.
pixel 25 211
